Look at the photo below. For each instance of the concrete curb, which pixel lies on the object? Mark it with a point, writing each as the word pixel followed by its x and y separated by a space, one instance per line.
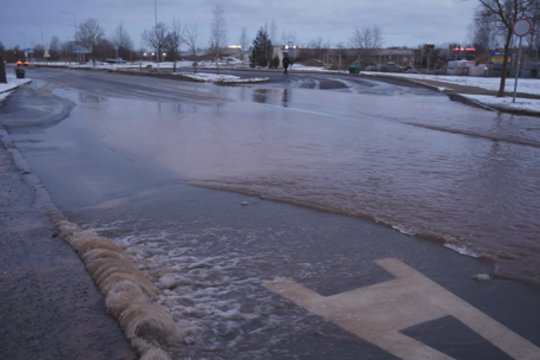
pixel 81 243
pixel 153 73
pixel 177 76
pixel 456 95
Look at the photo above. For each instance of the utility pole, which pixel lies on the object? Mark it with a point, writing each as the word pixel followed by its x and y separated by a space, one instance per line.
pixel 74 23
pixel 158 50
pixel 3 79
pixel 42 41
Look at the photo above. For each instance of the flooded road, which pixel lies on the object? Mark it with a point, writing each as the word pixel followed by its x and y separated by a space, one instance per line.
pixel 404 157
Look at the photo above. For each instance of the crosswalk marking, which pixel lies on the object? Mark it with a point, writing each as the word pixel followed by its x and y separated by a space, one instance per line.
pixel 378 312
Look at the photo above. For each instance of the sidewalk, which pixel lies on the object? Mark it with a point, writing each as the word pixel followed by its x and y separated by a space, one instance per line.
pixel 50 307
pixel 526 103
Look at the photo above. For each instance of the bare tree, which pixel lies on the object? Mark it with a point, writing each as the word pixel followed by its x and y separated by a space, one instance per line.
pixel 534 37
pixel 273 31
pixel 90 34
pixel 173 41
pixel 55 47
pixel 218 32
pixel 192 39
pixel 156 38
pixel 367 37
pixel 243 41
pixel 287 38
pixel 506 12
pixel 121 41
pixel 485 32
pixel 319 49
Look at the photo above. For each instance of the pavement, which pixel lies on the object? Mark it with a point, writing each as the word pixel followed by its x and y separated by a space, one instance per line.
pixel 457 92
pixel 51 308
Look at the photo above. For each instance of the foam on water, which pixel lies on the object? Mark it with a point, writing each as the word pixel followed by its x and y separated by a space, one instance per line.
pixel 202 292
pixel 463 250
pixel 129 296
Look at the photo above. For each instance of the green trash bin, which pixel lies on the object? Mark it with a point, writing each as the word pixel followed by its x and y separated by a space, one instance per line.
pixel 354 69
pixel 19 73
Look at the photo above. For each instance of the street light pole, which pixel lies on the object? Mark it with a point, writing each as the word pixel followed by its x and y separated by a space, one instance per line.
pixel 41 32
pixel 42 41
pixel 158 50
pixel 74 20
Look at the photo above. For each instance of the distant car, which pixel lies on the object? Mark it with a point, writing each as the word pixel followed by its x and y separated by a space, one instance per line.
pixel 22 63
pixel 116 61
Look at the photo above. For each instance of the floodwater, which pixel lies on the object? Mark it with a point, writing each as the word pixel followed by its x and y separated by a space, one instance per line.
pixel 406 158
pixel 409 159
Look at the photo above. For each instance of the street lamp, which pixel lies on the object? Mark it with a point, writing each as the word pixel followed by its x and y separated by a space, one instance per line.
pixel 23 36
pixel 155 29
pixel 74 18
pixel 42 41
pixel 41 32
pixel 74 21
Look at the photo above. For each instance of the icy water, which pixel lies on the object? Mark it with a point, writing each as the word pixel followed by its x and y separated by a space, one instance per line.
pixel 411 160
pixel 407 158
pixel 465 177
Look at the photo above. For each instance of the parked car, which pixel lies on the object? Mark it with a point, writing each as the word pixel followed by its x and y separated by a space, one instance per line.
pixel 22 63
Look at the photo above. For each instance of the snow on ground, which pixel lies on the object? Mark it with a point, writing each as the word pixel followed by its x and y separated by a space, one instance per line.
pixel 529 86
pixel 221 78
pixel 300 67
pixel 199 76
pixel 227 62
pixel 532 105
pixel 12 83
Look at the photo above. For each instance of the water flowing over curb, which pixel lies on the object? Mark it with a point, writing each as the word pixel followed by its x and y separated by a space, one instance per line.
pixel 129 296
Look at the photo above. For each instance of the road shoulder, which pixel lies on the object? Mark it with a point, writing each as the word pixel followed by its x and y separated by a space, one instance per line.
pixel 50 306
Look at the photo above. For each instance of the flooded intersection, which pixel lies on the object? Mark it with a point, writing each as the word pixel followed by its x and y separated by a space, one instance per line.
pixel 405 158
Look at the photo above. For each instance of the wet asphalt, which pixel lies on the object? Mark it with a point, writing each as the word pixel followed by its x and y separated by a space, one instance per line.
pixel 51 309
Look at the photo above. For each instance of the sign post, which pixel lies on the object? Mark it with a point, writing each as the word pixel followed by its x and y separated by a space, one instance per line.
pixel 3 78
pixel 522 27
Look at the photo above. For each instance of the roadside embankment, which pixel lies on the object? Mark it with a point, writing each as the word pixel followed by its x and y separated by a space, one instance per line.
pixel 527 104
pixel 50 306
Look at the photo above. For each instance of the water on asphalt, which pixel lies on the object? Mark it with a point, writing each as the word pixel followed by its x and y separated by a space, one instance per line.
pixel 403 157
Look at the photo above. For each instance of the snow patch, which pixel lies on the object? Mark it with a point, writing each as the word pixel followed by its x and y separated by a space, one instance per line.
pixel 12 84
pixel 522 104
pixel 221 78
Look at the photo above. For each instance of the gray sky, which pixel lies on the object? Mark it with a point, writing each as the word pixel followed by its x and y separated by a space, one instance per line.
pixel 403 22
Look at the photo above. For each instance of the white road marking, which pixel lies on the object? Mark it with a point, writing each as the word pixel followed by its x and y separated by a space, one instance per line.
pixel 377 313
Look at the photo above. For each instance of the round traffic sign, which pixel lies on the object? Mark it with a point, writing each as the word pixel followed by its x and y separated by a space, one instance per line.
pixel 522 27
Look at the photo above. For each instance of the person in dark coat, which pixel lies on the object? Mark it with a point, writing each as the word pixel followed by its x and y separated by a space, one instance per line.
pixel 286 62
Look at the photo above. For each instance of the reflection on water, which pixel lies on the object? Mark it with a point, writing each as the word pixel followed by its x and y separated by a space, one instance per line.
pixel 87 98
pixel 285 97
pixel 359 156
pixel 418 163
pixel 260 95
pixel 271 96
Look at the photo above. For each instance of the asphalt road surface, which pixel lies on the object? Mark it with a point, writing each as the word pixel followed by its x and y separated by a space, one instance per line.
pixel 322 272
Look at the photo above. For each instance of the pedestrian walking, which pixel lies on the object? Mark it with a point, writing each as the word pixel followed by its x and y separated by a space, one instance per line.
pixel 286 62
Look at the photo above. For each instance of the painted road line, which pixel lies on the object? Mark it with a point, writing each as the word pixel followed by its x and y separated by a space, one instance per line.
pixel 378 313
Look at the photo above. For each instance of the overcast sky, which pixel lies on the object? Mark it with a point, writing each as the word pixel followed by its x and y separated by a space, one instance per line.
pixel 403 22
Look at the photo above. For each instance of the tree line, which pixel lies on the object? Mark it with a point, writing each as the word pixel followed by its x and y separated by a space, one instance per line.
pixel 90 39
pixel 493 25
